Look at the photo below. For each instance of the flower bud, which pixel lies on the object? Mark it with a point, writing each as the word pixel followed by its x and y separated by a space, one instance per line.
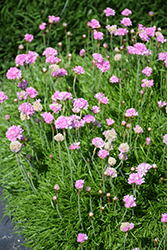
pixel 88 189
pixel 100 192
pixel 84 36
pixel 60 44
pixel 123 123
pixel 65 25
pixel 56 187
pixel 132 169
pixel 44 70
pixel 115 198
pixel 7 117
pixel 149 129
pixel 21 47
pixel 90 214
pixel 68 33
pixel 108 195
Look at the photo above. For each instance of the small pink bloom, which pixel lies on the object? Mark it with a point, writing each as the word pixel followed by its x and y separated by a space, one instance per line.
pixel 138 129
pixel 147 71
pixel 14 133
pixel 3 97
pixel 126 21
pixel 78 70
pixel 55 107
pixel 161 39
pixel 60 72
pixel 165 139
pixel 52 59
pixel 20 59
pixel 13 73
pixel 80 103
pixel 98 142
pixel 103 66
pixel 49 52
pixel 97 35
pixel 31 57
pixel 95 109
pixel 135 178
pixel 164 218
pixel 144 37
pixel 26 108
pixel 121 32
pixel 54 19
pixel 74 146
pixel 114 79
pixel 42 26
pixel 126 226
pixel 103 153
pixel 94 24
pixel 28 37
pixel 143 168
pixel 31 92
pixel 81 53
pixel 148 141
pixel 150 31
pixel 109 12
pixel 79 184
pixel 147 83
pixel 48 117
pixel 126 12
pixel 129 201
pixel 81 238
pixel 131 113
pixel 104 100
pixel 161 104
pixel 98 96
pixel 110 121
pixel 89 118
pixel 97 57
pixel 63 122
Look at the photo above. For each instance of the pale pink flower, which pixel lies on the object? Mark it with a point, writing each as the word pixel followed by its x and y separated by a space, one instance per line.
pixel 98 142
pixel 123 147
pixel 31 57
pixel 95 109
pixel 55 107
pixel 49 51
pixel 63 122
pixel 79 184
pixel 103 153
pixel 54 19
pixel 94 24
pixel 31 92
pixel 104 100
pixel 150 31
pixel 97 35
pixel 14 133
pixel 147 83
pixel 123 156
pixel 135 178
pixel 126 12
pixel 42 26
pixel 98 96
pixel 141 49
pixel 48 117
pixel 110 121
pixel 111 172
pixel 52 59
pixel 61 96
pixel 126 21
pixel 89 118
pixel 13 73
pixel 161 104
pixel 20 59
pixel 74 146
pixel 78 70
pixel 164 217
pixel 103 66
pixel 131 113
pixel 121 32
pixel 28 37
pixel 161 39
pixel 81 53
pixel 80 103
pixel 138 129
pixel 114 79
pixel 81 238
pixel 97 57
pixel 109 12
pixel 143 168
pixel 162 56
pixel 26 108
pixel 60 72
pixel 3 97
pixel 165 139
pixel 126 226
pixel 147 71
pixel 148 141
pixel 129 201
pixel 144 37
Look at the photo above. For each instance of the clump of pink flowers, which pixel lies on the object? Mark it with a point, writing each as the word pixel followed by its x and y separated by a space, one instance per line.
pixel 14 133
pixel 129 201
pixel 26 108
pixel 109 12
pixel 147 83
pixel 97 35
pixel 98 142
pixel 78 70
pixel 42 26
pixel 79 184
pixel 82 237
pixel 126 12
pixel 147 71
pixel 138 129
pixel 135 178
pixel 94 24
pixel 114 79
pixel 103 153
pixel 126 21
pixel 28 37
pixel 131 113
pixel 48 117
pixel 74 146
pixel 13 73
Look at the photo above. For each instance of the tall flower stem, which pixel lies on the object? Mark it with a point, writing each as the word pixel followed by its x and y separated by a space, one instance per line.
pixel 80 218
pixel 75 77
pixel 70 163
pixel 163 158
pixel 61 164
pixel 137 80
pixel 125 240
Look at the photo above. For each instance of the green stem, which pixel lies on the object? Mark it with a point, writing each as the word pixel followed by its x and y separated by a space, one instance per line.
pixel 79 210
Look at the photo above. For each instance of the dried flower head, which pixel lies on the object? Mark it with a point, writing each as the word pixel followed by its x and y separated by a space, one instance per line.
pixel 117 57
pixel 16 146
pixel 56 187
pixel 59 137
pixel 111 161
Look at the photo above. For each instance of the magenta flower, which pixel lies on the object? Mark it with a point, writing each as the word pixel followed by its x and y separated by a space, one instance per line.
pixel 26 108
pixel 104 100
pixel 74 146
pixel 98 142
pixel 95 109
pixel 48 117
pixel 135 178
pixel 98 96
pixel 111 172
pixel 80 103
pixel 126 226
pixel 79 184
pixel 161 104
pixel 162 56
pixel 143 168
pixel 147 83
pixel 13 73
pixel 55 107
pixel 114 79
pixel 31 92
pixel 165 139
pixel 78 70
pixel 81 53
pixel 89 118
pixel 60 72
pixel 28 37
pixel 94 24
pixel 52 59
pixel 81 238
pixel 110 121
pixel 131 113
pixel 14 133
pixel 121 32
pixel 53 19
pixel 42 26
pixel 161 39
pixel 97 35
pixel 147 71
pixel 103 153
pixel 138 129
pixel 126 12
pixel 150 31
pixel 138 49
pixel 109 12
pixel 20 59
pixel 103 66
pixel 63 122
pixel 126 21
pixel 31 57
pixel 129 201
pixel 97 57
pixel 164 218
pixel 3 97
pixel 144 37
pixel 148 141
pixel 49 52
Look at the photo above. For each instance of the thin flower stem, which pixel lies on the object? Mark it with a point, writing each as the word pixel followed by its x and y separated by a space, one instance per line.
pixel 70 164
pixel 122 218
pixel 75 77
pixel 93 227
pixel 112 186
pixel 163 158
pixel 61 164
pixel 125 241
pixel 79 209
pixel 137 81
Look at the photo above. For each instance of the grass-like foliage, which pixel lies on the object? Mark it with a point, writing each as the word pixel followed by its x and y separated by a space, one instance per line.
pixel 83 149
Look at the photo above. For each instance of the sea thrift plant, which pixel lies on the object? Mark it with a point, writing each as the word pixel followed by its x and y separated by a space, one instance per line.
pixel 109 12
pixel 2 96
pixel 28 37
pixel 14 132
pixel 13 73
pixel 129 201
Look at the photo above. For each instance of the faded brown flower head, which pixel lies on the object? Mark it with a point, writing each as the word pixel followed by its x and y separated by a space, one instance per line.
pixel 124 147
pixel 117 57
pixel 59 137
pixel 111 135
pixel 16 146
pixel 112 28
pixel 108 146
pixel 111 161
pixel 116 50
pixel 24 117
pixel 37 106
pixel 54 67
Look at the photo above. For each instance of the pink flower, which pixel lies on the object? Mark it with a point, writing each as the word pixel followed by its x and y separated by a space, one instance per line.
pixel 79 184
pixel 97 57
pixel 63 122
pixel 52 59
pixel 143 168
pixel 26 108
pixel 144 37
pixel 121 32
pixel 48 117
pixel 94 24
pixel 110 121
pixel 14 133
pixel 60 72
pixel 31 57
pixel 103 66
pixel 126 226
pixel 147 71
pixel 80 103
pixel 3 97
pixel 53 19
pixel 161 104
pixel 123 156
pixel 31 92
pixel 61 96
pixel 28 37
pixel 55 107
pixel 103 153
pixel 162 56
pixel 81 53
pixel 97 35
pixel 78 70
pixel 104 100
pixel 49 52
pixel 95 109
pixel 138 129
pixel 114 79
pixel 138 49
pixel 20 59
pixel 131 113
pixel 98 142
pixel 126 21
pixel 165 139
pixel 75 145
pixel 13 73
pixel 42 26
pixel 81 238
pixel 89 118
pixel 148 141
pixel 129 201
pixel 98 96
pixel 161 39
pixel 109 12
pixel 147 83
pixel 126 12
pixel 111 172
pixel 164 218
pixel 135 178
pixel 150 31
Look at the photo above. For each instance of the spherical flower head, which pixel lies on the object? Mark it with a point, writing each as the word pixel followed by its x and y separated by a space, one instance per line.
pixel 52 59
pixel 53 19
pixel 103 153
pixel 135 178
pixel 131 113
pixel 63 122
pixel 140 49
pixel 28 37
pixel 42 26
pixel 55 107
pixel 59 137
pixel 48 117
pixel 111 172
pixel 126 21
pixel 97 35
pixel 89 118
pixel 13 73
pixel 78 70
pixel 114 79
pixel 164 217
pixel 138 129
pixel 126 226
pixel 97 57
pixel 121 32
pixel 144 37
pixel 111 161
pixel 104 100
pixel 109 12
pixel 117 57
pixel 16 146
pixel 129 201
pixel 37 106
pixel 165 139
pixel 112 29
pixel 148 141
pixel 161 104
pixel 124 148
pixel 20 59
pixel 14 133
pixel 94 24
pixel 79 184
pixel 81 53
pixel 98 142
pixel 74 146
pixel 49 51
pixel 126 12
pixel 3 97
pixel 95 109
pixel 161 39
pixel 60 72
pixel 147 83
pixel 26 108
pixel 147 71
pixel 110 121
pixel 81 238
pixel 150 31
pixel 110 135
pixel 143 168
pixel 123 156
pixel 80 103
pixel 31 92
pixel 103 66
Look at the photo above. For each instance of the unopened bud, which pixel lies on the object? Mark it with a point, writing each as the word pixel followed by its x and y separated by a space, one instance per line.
pixel 159 29
pixel 60 44
pixel 65 25
pixel 128 125
pixel 21 47
pixel 7 117
pixel 88 189
pixel 108 195
pixel 141 92
pixel 44 70
pixel 149 129
pixel 84 36
pixel 55 198
pixel 132 31
pixel 105 45
pixel 161 179
pixel 90 214
pixel 68 33
pixel 154 166
pixel 15 100
pixel 115 198
pixel 132 169
pixel 108 57
pixel 102 208
pixel 100 192
pixel 56 187
pixel 123 123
